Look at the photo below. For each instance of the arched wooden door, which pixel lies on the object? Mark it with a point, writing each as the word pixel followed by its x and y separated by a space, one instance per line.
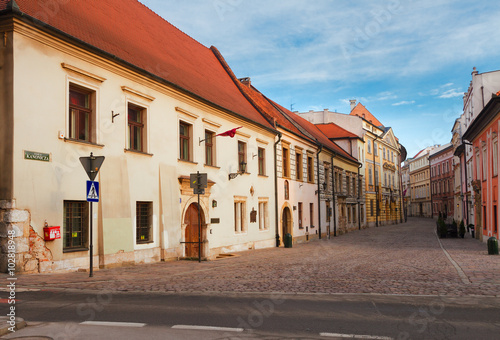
pixel 286 224
pixel 192 231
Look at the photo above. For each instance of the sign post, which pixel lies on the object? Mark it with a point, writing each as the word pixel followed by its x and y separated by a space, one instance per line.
pixel 92 165
pixel 198 182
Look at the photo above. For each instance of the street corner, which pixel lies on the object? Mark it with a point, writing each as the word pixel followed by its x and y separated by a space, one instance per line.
pixel 10 324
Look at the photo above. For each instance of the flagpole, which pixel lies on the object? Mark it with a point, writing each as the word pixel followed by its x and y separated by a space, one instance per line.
pixel 229 133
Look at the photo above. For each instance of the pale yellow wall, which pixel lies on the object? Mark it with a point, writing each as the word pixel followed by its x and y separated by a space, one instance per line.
pixel 41 104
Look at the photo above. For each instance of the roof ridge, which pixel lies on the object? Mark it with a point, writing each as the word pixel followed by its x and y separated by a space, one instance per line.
pixel 177 28
pixel 239 85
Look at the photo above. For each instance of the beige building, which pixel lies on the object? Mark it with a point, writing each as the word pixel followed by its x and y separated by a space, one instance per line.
pixel 380 153
pixel 420 181
pixel 306 162
pixel 154 110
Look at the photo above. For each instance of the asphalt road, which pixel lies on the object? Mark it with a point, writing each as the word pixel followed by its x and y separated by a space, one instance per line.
pixel 59 314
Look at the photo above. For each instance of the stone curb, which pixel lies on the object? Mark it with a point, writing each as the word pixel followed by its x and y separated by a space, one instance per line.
pixel 4 326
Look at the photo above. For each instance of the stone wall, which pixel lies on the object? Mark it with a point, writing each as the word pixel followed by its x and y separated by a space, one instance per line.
pixel 31 253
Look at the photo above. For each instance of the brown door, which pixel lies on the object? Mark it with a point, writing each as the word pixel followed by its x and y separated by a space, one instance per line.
pixel 286 224
pixel 192 231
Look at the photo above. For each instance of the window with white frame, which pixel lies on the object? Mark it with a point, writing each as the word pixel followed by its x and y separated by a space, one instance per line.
pixel 210 148
pixel 262 161
pixel 485 163
pixel 136 128
pixel 242 156
pixel 495 156
pixel 82 114
pixel 263 215
pixel 239 215
pixel 185 141
pixel 478 166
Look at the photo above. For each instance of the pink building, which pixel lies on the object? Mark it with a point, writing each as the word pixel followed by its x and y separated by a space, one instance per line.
pixel 442 177
pixel 483 134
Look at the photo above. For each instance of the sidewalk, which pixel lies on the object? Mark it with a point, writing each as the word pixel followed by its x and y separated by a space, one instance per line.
pixel 403 259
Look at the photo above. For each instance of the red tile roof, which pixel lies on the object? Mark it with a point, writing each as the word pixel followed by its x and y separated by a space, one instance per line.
pixel 362 112
pixel 132 33
pixel 333 131
pixel 288 120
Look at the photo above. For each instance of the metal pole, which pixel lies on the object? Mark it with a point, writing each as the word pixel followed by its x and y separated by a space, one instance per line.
pixel 199 217
pixel 91 244
pixel 91 271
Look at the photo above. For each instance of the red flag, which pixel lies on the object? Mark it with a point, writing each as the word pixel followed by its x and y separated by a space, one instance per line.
pixel 229 133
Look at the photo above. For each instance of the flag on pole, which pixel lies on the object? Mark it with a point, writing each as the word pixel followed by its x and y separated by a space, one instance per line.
pixel 229 133
pixel 404 192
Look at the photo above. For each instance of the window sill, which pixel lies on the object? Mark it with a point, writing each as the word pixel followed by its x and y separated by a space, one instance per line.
pixel 75 250
pixel 264 176
pixel 144 242
pixel 185 161
pixel 138 152
pixel 82 142
pixel 211 166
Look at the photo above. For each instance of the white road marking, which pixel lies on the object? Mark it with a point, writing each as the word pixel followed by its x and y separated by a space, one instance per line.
pixel 208 328
pixel 355 336
pixel 116 324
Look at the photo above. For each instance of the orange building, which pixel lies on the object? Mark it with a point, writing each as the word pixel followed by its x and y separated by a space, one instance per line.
pixel 483 134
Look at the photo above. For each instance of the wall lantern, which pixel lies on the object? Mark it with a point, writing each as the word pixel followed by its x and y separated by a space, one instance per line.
pixel 243 166
pixel 214 204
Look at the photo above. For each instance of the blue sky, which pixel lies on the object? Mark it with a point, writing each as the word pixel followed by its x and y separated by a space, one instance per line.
pixel 408 62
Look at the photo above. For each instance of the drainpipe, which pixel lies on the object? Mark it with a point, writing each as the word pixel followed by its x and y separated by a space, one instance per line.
pixel 401 191
pixel 375 183
pixel 319 191
pixel 276 190
pixel 462 187
pixel 334 204
pixel 466 184
pixel 359 198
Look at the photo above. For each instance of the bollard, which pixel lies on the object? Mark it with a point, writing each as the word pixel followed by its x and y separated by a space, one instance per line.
pixel 492 246
pixel 288 240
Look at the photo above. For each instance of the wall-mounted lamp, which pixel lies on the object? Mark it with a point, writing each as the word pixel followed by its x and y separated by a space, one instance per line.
pixel 242 170
pixel 214 204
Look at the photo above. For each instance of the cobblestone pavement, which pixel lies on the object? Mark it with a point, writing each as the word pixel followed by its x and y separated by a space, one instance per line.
pixel 397 259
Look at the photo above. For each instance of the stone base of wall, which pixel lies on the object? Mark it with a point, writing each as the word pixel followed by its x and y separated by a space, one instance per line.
pixel 31 254
pixel 214 252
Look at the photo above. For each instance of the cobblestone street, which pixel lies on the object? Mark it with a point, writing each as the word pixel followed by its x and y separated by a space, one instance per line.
pixel 398 259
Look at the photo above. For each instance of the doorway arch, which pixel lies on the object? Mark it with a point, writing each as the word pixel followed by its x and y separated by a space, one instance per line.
pixel 286 223
pixel 192 231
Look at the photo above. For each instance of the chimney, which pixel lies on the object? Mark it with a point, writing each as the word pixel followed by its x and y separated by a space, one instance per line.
pixel 353 104
pixel 245 81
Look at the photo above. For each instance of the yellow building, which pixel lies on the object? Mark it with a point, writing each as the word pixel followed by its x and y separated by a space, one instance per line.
pixel 383 156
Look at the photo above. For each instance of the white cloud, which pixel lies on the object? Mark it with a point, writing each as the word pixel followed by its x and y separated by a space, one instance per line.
pixel 452 93
pixel 404 102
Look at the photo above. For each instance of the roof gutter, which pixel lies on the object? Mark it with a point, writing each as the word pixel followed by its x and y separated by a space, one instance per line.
pixel 334 203
pixel 276 191
pixel 319 190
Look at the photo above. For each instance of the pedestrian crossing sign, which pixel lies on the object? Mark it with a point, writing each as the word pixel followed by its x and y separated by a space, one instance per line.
pixel 92 191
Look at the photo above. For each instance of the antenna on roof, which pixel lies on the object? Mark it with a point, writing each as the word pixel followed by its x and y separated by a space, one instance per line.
pixel 291 107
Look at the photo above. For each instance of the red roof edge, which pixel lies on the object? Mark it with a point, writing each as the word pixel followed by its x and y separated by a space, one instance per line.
pixel 238 84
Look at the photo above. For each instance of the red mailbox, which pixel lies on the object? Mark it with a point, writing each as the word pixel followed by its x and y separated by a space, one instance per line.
pixel 51 233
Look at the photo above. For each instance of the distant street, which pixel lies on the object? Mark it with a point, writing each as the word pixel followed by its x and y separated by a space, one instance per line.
pixel 391 282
